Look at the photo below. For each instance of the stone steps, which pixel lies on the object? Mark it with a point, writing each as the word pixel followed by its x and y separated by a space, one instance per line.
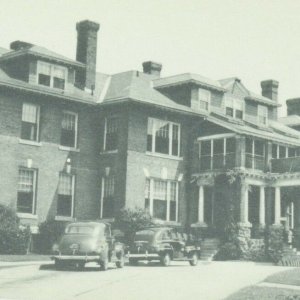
pixel 209 247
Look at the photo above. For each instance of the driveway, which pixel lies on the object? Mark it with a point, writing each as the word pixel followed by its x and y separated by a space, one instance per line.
pixel 209 280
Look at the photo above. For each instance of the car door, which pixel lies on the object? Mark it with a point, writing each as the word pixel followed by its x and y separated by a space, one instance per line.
pixel 177 243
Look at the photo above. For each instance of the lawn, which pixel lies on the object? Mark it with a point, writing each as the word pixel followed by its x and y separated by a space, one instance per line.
pixel 291 277
pixel 21 258
pixel 264 293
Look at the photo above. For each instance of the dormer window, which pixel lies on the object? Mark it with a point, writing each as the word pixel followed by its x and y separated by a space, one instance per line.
pixel 262 112
pixel 202 100
pixel 234 108
pixel 51 75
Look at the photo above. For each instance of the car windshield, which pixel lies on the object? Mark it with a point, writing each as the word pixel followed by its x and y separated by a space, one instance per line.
pixel 84 229
pixel 144 235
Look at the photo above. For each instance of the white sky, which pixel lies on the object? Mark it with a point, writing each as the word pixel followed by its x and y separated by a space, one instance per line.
pixel 251 39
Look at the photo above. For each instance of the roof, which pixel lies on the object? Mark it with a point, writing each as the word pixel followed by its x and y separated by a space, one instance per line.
pixel 188 78
pixel 235 86
pixel 3 50
pixel 291 120
pixel 41 52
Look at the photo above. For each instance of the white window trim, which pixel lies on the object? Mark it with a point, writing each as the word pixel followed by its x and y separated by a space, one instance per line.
pixel 208 101
pixel 234 100
pixel 34 192
pixel 151 198
pixel 253 155
pixel 105 132
pixel 102 194
pixel 61 147
pixel 59 217
pixel 51 73
pixel 170 138
pixel 38 108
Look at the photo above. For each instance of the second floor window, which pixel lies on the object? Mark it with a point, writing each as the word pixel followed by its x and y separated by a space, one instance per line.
pixel 234 108
pixel 26 191
pixel 68 136
pixel 111 134
pixel 107 197
pixel 163 137
pixel 51 75
pixel 65 197
pixel 30 122
pixel 262 114
pixel 255 154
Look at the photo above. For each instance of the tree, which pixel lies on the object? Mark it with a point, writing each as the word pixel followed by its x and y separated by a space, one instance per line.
pixel 130 221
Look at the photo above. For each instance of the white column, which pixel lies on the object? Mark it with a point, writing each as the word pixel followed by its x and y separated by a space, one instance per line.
pixel 201 204
pixel 244 205
pixel 262 220
pixel 277 206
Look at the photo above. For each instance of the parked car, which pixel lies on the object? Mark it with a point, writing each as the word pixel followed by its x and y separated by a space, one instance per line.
pixel 163 244
pixel 85 242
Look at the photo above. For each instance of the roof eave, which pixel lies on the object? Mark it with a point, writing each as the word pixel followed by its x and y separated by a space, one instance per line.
pixel 262 101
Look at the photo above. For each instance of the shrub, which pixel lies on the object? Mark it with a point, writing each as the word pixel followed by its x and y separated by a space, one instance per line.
pixel 228 251
pixel 14 239
pixel 50 232
pixel 131 220
pixel 275 243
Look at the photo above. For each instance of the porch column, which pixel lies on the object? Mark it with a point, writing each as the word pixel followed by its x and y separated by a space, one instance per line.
pixel 244 205
pixel 277 206
pixel 262 219
pixel 201 204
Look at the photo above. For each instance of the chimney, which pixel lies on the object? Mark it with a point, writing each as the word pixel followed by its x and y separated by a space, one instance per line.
pixel 87 53
pixel 269 89
pixel 152 68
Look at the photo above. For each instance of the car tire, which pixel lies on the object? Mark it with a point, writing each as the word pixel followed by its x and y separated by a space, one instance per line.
pixel 104 264
pixel 165 259
pixel 120 263
pixel 133 262
pixel 193 259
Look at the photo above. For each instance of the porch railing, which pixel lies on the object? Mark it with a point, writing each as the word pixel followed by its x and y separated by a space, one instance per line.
pixel 217 162
pixel 283 165
pixel 256 162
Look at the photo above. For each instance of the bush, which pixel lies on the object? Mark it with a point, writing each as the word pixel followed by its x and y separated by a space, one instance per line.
pixel 50 232
pixel 275 243
pixel 228 251
pixel 14 239
pixel 131 220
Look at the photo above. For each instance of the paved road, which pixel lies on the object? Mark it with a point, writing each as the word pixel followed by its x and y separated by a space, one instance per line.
pixel 209 280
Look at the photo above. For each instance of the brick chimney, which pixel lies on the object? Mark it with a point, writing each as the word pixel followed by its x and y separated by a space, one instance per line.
pixel 269 89
pixel 152 68
pixel 87 53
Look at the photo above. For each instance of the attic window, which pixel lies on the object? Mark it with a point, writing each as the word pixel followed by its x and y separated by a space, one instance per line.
pixel 262 113
pixel 234 108
pixel 200 99
pixel 51 75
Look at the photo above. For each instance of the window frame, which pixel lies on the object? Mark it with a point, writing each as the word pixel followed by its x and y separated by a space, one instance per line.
pixel 105 133
pixel 51 66
pixel 76 129
pixel 168 200
pixel 38 108
pixel 110 177
pixel 234 103
pixel 253 155
pixel 72 176
pixel 34 190
pixel 262 112
pixel 170 137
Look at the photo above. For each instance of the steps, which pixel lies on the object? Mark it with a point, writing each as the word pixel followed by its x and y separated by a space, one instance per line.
pixel 209 247
pixel 290 257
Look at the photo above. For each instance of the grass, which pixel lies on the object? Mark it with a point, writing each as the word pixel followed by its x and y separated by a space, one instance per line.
pixel 22 258
pixel 264 293
pixel 291 277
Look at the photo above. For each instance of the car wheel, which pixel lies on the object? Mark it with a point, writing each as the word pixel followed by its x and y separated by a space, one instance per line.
pixel 104 264
pixel 194 259
pixel 120 262
pixel 165 259
pixel 133 262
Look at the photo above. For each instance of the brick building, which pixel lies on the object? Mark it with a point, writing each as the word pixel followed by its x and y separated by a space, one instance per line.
pixel 78 144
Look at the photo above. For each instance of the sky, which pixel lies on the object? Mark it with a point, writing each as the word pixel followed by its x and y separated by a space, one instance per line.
pixel 253 40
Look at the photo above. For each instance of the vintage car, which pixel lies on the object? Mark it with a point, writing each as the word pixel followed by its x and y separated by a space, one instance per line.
pixel 85 242
pixel 163 244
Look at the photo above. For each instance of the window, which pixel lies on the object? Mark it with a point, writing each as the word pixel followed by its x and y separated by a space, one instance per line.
pixel 107 200
pixel 217 153
pixel 255 154
pixel 51 75
pixel 111 134
pixel 65 198
pixel 234 107
pixel 26 191
pixel 162 199
pixel 201 100
pixel 279 151
pixel 262 114
pixel 68 136
pixel 163 137
pixel 30 122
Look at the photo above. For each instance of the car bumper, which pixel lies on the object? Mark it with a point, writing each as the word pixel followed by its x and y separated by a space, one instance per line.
pixel 85 258
pixel 143 255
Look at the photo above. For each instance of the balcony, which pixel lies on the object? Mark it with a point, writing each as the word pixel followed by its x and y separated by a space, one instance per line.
pixel 217 162
pixel 283 165
pixel 256 162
